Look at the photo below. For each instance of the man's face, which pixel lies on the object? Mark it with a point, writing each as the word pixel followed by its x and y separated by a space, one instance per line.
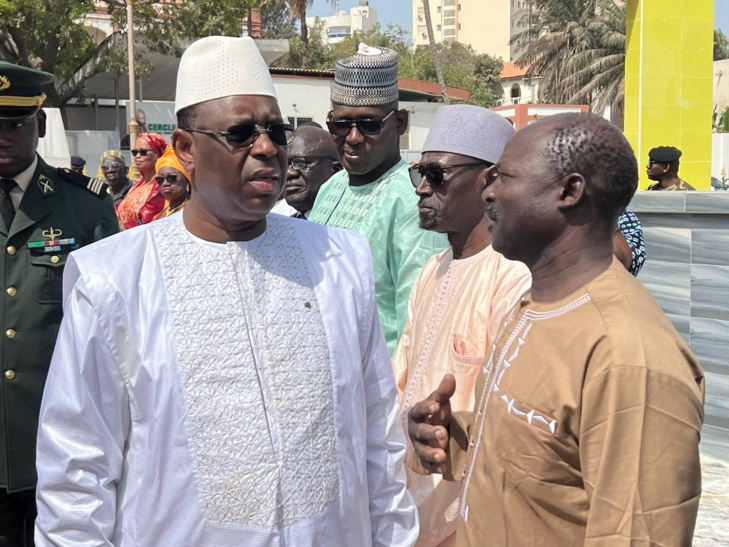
pixel 361 153
pixel 455 206
pixel 655 170
pixel 312 160
pixel 114 170
pixel 522 196
pixel 235 185
pixel 18 143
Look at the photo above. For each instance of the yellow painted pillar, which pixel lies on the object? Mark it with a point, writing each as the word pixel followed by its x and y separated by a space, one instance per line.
pixel 669 83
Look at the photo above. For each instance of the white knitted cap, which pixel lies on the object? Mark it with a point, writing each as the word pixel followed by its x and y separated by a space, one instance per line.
pixel 221 66
pixel 469 130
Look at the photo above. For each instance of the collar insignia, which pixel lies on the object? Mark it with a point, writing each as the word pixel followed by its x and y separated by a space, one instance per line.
pixel 46 185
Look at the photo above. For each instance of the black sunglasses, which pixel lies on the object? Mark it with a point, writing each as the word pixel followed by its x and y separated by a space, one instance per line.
pixel 434 173
pixel 141 151
pixel 341 128
pixel 170 177
pixel 112 165
pixel 245 134
pixel 301 163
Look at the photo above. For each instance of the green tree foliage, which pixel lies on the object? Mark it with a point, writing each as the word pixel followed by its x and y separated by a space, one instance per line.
pixel 721 45
pixel 577 47
pixel 50 35
pixel 462 66
pixel 278 21
pixel 298 9
pixel 720 123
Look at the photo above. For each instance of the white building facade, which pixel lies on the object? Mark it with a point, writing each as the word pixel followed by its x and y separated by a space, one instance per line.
pixel 336 28
pixel 486 25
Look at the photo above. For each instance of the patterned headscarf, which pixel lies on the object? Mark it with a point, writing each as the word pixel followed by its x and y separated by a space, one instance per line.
pixel 169 159
pixel 155 141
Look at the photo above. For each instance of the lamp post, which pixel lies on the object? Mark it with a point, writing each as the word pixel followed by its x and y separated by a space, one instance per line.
pixel 133 126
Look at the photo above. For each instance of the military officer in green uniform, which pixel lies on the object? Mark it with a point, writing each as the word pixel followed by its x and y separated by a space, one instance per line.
pixel 44 214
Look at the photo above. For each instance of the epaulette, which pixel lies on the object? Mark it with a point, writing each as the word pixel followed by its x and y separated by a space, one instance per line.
pixel 96 186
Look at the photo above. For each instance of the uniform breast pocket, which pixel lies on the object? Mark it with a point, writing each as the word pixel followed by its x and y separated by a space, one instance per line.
pixel 45 276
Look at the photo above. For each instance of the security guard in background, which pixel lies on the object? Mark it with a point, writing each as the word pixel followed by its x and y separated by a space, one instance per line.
pixel 663 162
pixel 44 214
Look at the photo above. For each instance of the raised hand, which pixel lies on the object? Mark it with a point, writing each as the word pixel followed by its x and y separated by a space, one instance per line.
pixel 428 425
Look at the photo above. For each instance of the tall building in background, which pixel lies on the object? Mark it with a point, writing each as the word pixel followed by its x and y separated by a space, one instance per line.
pixel 336 28
pixel 487 25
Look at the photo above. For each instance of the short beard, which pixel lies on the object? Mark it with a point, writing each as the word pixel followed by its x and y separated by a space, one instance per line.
pixel 428 222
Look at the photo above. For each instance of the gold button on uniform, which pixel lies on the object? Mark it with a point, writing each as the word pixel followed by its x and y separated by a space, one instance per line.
pixel 10 374
pixel 10 333
pixel 54 258
pixel 12 291
pixel 11 250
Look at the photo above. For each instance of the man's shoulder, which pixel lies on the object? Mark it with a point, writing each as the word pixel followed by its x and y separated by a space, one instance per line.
pixel 78 185
pixel 632 324
pixel 397 183
pixel 337 181
pixel 319 238
pixel 123 247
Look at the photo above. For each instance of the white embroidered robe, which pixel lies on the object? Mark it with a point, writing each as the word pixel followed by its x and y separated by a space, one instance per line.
pixel 222 395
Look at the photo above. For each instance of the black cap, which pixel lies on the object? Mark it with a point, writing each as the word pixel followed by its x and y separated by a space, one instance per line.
pixel 77 161
pixel 20 90
pixel 664 154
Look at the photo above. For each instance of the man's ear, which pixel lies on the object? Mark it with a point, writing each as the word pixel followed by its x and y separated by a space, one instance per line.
pixel 184 146
pixel 482 180
pixel 403 117
pixel 40 118
pixel 337 166
pixel 571 190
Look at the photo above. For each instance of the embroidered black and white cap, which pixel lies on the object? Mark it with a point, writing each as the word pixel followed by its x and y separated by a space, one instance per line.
pixel 367 78
pixel 221 66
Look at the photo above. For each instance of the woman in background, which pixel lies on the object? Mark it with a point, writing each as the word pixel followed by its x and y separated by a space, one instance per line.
pixel 144 200
pixel 174 183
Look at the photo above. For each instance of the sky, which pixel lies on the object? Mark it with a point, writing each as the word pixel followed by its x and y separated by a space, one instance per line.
pixel 388 11
pixel 401 11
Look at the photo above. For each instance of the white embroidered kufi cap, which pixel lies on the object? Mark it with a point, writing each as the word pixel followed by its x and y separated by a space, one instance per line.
pixel 469 130
pixel 221 66
pixel 367 78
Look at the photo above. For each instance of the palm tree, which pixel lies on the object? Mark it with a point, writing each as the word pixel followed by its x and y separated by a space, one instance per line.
pixel 436 53
pixel 721 45
pixel 602 63
pixel 577 47
pixel 298 9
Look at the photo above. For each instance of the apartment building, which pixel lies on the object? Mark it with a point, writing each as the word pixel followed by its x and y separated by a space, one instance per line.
pixel 337 27
pixel 486 25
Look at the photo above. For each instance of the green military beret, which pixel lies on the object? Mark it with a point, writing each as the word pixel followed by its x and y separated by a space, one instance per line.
pixel 664 154
pixel 20 90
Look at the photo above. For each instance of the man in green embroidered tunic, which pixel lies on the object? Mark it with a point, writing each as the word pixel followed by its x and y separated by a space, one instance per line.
pixel 373 195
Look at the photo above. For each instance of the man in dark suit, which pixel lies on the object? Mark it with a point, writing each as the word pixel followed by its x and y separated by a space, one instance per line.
pixel 44 214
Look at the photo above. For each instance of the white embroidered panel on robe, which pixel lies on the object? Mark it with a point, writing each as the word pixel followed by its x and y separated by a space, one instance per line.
pixel 255 371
